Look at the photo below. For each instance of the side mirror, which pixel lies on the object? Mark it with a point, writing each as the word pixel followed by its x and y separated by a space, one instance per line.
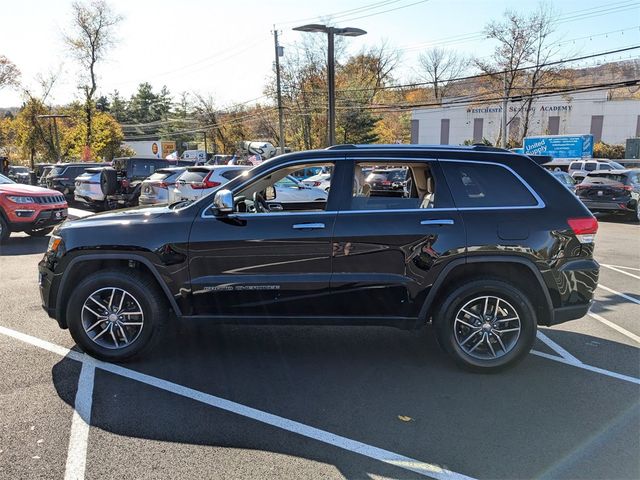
pixel 223 201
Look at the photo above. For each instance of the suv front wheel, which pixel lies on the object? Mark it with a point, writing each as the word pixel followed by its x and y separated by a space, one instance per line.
pixel 486 325
pixel 115 314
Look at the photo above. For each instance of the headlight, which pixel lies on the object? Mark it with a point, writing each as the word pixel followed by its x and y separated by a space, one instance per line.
pixel 17 199
pixel 54 243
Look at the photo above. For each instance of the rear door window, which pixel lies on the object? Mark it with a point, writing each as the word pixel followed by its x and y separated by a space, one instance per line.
pixel 590 166
pixel 476 185
pixel 397 186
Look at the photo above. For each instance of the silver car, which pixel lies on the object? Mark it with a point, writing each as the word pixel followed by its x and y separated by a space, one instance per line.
pixel 155 189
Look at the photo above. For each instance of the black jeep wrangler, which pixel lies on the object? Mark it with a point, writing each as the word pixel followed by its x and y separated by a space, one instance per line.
pixel 483 244
pixel 121 182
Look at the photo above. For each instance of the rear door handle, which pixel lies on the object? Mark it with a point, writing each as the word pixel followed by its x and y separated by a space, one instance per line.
pixel 308 226
pixel 440 221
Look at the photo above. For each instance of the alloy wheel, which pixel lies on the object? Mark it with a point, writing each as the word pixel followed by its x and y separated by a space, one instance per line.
pixel 487 327
pixel 112 318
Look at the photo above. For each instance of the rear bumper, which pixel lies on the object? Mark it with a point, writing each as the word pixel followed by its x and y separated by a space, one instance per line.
pixel 575 284
pixel 603 205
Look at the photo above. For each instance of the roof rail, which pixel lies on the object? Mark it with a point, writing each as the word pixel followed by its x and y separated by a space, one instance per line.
pixel 344 146
pixel 417 146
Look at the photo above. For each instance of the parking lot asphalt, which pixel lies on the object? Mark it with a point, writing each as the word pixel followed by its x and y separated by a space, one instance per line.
pixel 318 402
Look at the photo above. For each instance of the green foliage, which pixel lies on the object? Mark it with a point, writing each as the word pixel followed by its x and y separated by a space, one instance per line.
pixel 356 124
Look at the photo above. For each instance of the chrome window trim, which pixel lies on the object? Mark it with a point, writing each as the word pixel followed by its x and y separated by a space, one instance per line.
pixel 411 159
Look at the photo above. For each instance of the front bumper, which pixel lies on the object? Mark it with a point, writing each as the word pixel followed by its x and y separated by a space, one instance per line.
pixel 45 285
pixel 38 219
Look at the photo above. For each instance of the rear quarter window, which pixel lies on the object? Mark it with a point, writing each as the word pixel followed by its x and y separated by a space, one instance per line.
pixel 231 174
pixel 576 166
pixel 194 176
pixel 484 185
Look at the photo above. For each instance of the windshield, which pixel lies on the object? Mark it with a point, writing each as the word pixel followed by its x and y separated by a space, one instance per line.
pixel 616 166
pixel 614 177
pixel 4 180
pixel 55 171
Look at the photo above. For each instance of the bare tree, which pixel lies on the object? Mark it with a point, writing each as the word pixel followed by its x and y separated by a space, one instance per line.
pixel 542 25
pixel 518 66
pixel 9 73
pixel 93 30
pixel 438 66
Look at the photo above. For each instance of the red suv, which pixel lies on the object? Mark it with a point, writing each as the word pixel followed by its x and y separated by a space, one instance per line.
pixel 25 208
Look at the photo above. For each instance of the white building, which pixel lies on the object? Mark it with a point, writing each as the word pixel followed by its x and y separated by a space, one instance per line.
pixel 610 121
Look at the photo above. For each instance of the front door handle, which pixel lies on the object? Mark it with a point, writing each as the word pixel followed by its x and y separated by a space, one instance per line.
pixel 308 226
pixel 440 221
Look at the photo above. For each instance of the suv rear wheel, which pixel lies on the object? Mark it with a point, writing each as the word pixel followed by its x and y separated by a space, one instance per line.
pixel 486 325
pixel 115 314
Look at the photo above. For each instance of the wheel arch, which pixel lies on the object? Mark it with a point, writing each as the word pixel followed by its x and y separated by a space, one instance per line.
pixel 86 264
pixel 520 271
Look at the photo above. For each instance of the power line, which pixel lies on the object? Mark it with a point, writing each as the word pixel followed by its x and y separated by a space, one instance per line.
pixel 371 6
pixel 482 75
pixel 568 17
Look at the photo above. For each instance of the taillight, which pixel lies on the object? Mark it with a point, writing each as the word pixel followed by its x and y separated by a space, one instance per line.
pixel 125 183
pixel 316 184
pixel 205 184
pixel 585 228
pixel 628 188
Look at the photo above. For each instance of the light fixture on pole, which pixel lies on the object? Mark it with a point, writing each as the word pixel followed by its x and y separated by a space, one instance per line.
pixel 331 66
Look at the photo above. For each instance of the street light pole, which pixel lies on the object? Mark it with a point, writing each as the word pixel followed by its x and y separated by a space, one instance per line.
pixel 331 81
pixel 331 68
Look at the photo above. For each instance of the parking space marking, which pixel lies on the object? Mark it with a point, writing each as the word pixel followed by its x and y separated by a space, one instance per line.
pixel 621 266
pixel 623 295
pixel 615 326
pixel 556 348
pixel 385 456
pixel 80 423
pixel 590 368
pixel 616 269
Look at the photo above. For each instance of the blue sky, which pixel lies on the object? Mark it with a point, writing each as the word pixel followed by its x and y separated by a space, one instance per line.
pixel 225 49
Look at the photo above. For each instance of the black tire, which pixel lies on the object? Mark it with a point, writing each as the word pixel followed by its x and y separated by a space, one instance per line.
pixel 449 334
pixel 145 292
pixel 4 230
pixel 108 181
pixel 40 232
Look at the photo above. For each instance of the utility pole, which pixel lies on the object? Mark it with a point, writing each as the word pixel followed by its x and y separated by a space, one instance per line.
pixel 504 112
pixel 279 52
pixel 205 145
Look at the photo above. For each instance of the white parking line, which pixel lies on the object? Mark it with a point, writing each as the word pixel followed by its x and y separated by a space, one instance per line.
pixel 385 456
pixel 623 295
pixel 621 266
pixel 77 452
pixel 623 331
pixel 590 368
pixel 557 348
pixel 616 269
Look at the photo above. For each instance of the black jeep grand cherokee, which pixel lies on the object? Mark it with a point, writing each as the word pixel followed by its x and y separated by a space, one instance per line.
pixel 484 244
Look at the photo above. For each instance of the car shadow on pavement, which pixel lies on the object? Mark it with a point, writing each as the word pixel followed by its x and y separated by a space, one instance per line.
pixel 612 218
pixel 388 388
pixel 24 245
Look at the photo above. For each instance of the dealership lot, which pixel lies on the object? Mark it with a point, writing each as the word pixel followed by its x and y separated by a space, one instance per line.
pixel 319 402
